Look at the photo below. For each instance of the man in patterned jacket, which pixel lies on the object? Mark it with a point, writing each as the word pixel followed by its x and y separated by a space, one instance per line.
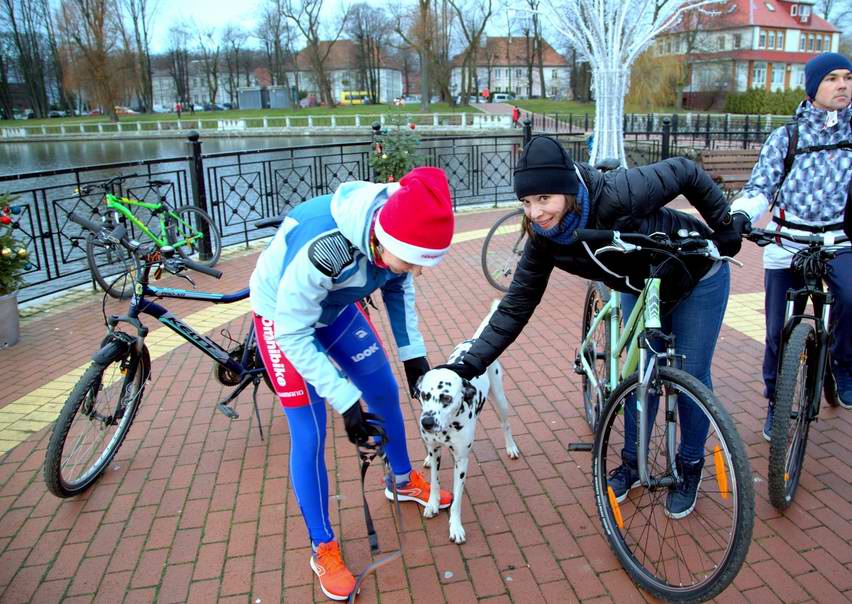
pixel 811 198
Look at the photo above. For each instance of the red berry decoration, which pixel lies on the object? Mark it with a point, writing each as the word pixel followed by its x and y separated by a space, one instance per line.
pixel 5 220
pixel 412 125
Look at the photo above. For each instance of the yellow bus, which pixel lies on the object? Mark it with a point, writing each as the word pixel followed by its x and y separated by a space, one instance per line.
pixel 355 97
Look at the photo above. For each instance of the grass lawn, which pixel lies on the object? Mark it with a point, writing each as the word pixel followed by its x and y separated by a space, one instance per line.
pixel 341 110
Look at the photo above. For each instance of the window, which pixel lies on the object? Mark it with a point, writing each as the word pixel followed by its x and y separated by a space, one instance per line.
pixel 771 40
pixel 738 40
pixel 803 40
pixel 758 76
pixel 777 74
pixel 780 41
pixel 819 43
pixel 720 42
pixel 554 75
pixel 519 72
pixel 810 41
pixel 805 12
pixel 761 42
pixel 669 46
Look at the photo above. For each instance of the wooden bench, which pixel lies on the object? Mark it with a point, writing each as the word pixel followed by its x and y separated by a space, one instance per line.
pixel 729 168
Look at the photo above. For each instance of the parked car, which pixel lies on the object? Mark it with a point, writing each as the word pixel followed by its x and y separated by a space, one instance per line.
pixel 56 113
pixel 119 110
pixel 501 97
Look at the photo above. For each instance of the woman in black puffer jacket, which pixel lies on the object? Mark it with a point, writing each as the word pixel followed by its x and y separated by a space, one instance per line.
pixel 561 196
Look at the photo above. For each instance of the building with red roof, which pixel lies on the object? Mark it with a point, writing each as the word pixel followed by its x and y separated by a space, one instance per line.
pixel 747 44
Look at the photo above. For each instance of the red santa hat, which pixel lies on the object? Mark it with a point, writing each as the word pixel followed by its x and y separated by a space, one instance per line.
pixel 416 223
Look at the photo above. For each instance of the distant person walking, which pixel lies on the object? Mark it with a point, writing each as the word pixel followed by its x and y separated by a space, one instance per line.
pixel 516 116
pixel 177 110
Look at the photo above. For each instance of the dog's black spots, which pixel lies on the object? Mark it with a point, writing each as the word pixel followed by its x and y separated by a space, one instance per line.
pixel 496 371
pixel 444 432
pixel 447 439
pixel 461 475
pixel 479 404
pixel 456 426
pixel 438 463
pixel 470 415
pixel 426 396
pixel 469 445
pixel 452 449
pixel 460 410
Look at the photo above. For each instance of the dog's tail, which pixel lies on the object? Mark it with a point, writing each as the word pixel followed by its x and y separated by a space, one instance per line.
pixel 485 321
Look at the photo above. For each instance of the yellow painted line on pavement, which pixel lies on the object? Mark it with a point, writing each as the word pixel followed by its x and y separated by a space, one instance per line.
pixel 38 409
pixel 745 314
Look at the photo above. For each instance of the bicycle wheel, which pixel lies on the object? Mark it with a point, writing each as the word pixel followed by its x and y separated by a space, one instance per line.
pixel 94 421
pixel 112 266
pixel 697 556
pixel 597 295
pixel 502 249
pixel 191 232
pixel 793 393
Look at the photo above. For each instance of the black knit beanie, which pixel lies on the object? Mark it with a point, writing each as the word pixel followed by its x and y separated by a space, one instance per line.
pixel 545 167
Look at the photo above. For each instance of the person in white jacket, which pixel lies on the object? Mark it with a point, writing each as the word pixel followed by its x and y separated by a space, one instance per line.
pixel 318 345
pixel 811 198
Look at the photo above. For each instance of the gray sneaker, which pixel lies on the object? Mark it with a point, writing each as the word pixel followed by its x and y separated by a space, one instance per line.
pixel 767 425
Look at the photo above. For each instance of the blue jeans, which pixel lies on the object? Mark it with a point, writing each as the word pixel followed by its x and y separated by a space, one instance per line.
pixel 695 322
pixel 776 283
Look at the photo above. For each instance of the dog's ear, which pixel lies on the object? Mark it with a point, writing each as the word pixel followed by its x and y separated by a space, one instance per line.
pixel 468 391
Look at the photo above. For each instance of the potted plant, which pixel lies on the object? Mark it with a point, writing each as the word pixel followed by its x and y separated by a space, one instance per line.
pixel 14 260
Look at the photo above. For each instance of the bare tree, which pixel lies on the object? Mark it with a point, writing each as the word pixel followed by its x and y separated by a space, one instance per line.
pixel 6 50
pixel 473 16
pixel 140 13
pixel 428 30
pixel 233 40
pixel 369 28
pixel 87 23
pixel 25 21
pixel 209 49
pixel 305 17
pixel 276 35
pixel 178 60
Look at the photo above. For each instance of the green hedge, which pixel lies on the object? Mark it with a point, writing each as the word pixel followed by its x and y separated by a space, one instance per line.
pixel 761 101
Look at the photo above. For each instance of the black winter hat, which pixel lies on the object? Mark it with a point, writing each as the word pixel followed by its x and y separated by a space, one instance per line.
pixel 545 167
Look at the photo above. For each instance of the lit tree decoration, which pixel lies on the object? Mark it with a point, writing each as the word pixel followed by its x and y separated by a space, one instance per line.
pixel 610 35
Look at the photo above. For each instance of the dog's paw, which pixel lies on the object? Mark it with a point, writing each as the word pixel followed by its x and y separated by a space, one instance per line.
pixel 457 532
pixel 512 451
pixel 430 511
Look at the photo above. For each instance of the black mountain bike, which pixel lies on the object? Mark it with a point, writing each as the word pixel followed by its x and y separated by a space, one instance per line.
pixel 98 413
pixel 804 368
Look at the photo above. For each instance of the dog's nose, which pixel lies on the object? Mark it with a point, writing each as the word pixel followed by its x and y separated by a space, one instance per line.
pixel 428 422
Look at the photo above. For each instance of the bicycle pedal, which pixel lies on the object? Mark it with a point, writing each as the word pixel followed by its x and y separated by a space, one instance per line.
pixel 227 411
pixel 578 367
pixel 580 447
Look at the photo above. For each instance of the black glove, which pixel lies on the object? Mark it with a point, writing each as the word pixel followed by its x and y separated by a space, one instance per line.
pixel 729 235
pixel 414 370
pixel 360 426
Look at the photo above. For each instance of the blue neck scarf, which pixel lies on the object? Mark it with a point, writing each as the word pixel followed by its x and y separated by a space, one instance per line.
pixel 564 232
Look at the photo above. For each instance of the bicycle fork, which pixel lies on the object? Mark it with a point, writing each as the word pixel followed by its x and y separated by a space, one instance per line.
pixel 648 372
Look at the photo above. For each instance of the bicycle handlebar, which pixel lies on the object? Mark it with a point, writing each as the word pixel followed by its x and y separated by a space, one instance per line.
pixel 820 239
pixel 119 235
pixel 686 244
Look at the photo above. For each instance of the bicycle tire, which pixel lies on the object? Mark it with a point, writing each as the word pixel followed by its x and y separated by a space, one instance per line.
pixel 498 263
pixel 796 375
pixel 717 575
pixel 109 262
pixel 597 295
pixel 194 217
pixel 133 370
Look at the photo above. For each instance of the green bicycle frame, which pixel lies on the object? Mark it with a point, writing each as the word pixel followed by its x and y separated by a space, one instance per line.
pixel 120 205
pixel 645 314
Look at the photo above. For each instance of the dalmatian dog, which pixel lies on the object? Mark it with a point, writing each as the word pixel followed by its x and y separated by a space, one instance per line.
pixel 450 407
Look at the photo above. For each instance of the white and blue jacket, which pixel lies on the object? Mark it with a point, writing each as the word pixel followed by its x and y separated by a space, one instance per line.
pixel 814 192
pixel 318 263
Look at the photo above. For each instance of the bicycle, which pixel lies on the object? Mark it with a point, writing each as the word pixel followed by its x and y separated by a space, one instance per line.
pixel 505 241
pixel 188 229
pixel 697 556
pixel 804 368
pixel 98 413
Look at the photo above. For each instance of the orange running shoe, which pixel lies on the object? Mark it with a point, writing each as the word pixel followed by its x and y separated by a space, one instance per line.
pixel 417 489
pixel 335 579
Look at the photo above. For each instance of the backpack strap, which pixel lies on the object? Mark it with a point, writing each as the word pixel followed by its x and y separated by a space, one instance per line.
pixel 792 142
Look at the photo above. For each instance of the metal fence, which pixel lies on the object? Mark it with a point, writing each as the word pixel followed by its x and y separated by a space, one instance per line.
pixel 240 188
pixel 688 131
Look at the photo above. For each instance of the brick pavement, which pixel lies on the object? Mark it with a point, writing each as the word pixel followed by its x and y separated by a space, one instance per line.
pixel 196 508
